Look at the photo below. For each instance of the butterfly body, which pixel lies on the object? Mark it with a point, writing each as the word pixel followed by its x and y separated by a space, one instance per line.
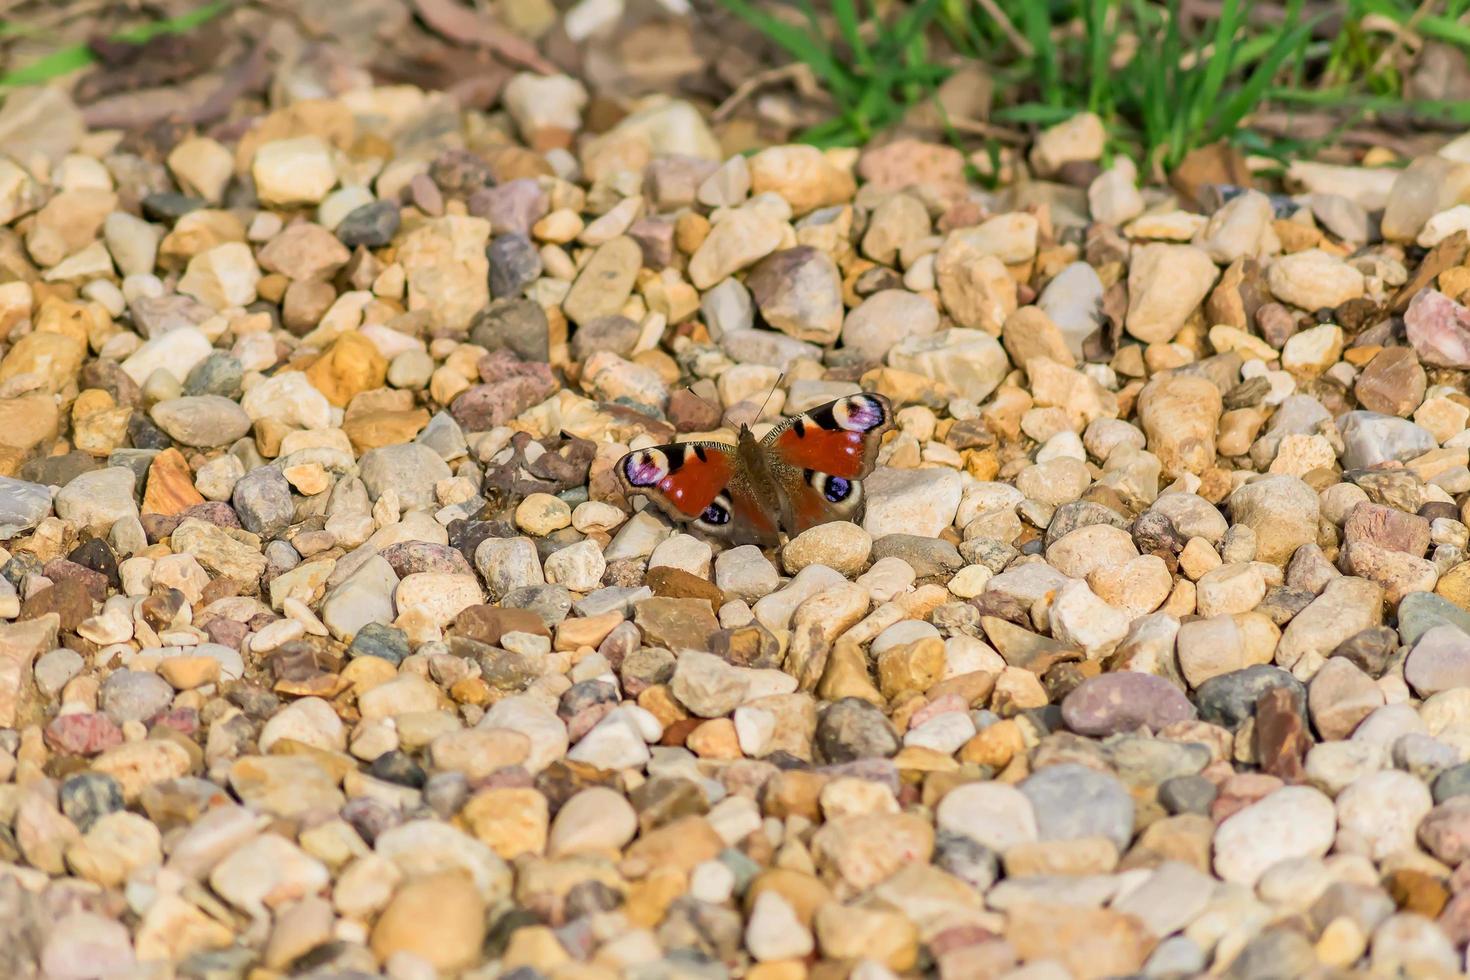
pixel 805 472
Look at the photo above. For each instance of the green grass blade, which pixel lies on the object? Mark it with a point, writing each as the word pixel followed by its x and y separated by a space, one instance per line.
pixel 1444 29
pixel 1250 94
pixel 802 46
pixel 1033 113
pixel 833 132
pixel 849 25
pixel 912 24
pixel 1219 65
pixel 1099 44
pixel 57 63
pixel 176 25
pixel 1036 25
pixel 69 59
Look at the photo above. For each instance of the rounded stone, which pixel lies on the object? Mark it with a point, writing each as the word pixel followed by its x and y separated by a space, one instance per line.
pixel 1072 801
pixel 133 695
pixel 1122 702
pixel 840 545
pixel 1293 822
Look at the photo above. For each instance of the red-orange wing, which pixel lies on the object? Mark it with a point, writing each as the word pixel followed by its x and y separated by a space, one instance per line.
pixel 840 438
pixel 684 478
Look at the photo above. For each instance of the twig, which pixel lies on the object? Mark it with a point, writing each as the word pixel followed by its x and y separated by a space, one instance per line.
pixel 798 73
pixel 1007 28
pixel 1399 36
pixel 1327 15
pixel 1376 137
pixel 466 26
pixel 974 127
pixel 118 112
pixel 249 74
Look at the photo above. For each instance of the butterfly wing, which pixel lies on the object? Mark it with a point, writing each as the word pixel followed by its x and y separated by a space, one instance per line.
pixel 698 483
pixel 819 458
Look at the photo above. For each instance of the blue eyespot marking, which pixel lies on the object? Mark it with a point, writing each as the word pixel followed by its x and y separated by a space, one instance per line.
pixel 715 514
pixel 837 489
pixel 645 468
pixel 864 413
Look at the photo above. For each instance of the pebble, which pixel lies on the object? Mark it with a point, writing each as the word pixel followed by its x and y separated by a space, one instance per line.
pixel 1121 702
pixel 1074 802
pixel 1166 282
pixel 995 815
pixel 293 171
pixel 841 546
pixel 918 502
pixel 1438 328
pixel 1292 822
pixel 1314 280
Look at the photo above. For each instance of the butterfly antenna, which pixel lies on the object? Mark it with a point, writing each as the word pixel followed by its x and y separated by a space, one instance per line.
pixel 690 389
pixel 770 394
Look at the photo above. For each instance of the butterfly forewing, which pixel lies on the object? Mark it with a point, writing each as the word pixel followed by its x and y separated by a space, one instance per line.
pixel 684 477
pixel 839 438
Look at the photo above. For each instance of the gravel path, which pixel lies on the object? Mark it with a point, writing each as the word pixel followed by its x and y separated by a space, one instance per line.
pixel 331 646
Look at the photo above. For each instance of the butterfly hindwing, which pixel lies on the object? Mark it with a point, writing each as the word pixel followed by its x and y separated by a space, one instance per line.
pixel 811 497
pixel 700 483
pixel 819 458
pixel 754 523
pixel 839 438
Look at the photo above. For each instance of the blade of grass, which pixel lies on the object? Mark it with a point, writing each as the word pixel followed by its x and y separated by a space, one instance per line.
pixel 57 63
pixel 1099 44
pixel 913 22
pixel 69 59
pixel 1036 25
pixel 845 12
pixel 176 25
pixel 800 45
pixel 1033 113
pixel 1219 65
pixel 1249 95
pixel 1173 104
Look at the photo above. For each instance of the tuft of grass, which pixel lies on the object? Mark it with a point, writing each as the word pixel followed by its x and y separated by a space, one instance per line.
pixel 873 75
pixel 1176 92
pixel 1185 102
pixel 1162 86
pixel 69 59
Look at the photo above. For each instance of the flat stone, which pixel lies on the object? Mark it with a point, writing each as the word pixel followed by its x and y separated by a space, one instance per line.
pixel 1124 701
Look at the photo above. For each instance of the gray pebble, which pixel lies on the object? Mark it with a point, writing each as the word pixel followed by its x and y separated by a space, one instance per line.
pixel 56 667
pixel 134 695
pixel 411 470
pixel 1073 801
pixel 372 225
pixel 22 505
pixel 262 499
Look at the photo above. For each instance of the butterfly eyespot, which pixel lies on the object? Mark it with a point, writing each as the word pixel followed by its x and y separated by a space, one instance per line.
pixel 837 489
pixel 645 468
pixel 715 514
pixel 859 413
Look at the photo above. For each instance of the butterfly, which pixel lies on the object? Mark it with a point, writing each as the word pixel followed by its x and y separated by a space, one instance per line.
pixel 806 471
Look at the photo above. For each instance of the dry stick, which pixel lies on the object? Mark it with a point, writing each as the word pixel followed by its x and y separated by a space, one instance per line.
pixel 1398 36
pixel 464 26
pixel 251 72
pixel 1007 28
pixel 248 73
pixel 974 127
pixel 797 72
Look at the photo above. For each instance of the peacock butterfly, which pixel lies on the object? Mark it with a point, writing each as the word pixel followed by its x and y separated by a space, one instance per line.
pixel 806 471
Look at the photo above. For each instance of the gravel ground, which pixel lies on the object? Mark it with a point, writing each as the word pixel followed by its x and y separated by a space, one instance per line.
pixel 332 647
